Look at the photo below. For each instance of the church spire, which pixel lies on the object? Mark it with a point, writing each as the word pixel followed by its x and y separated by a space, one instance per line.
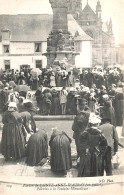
pixel 110 27
pixel 98 9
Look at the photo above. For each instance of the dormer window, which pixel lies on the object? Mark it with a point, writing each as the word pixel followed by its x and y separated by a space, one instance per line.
pixel 6 49
pixel 37 47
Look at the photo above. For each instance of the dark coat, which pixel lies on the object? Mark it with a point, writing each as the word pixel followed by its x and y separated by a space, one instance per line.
pixel 27 119
pixel 13 142
pixel 55 103
pixel 109 112
pixel 60 152
pixel 80 123
pixel 119 108
pixel 92 145
pixel 37 148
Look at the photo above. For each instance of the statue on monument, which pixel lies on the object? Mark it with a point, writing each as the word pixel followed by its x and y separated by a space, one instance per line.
pixel 60 40
pixel 60 43
pixel 49 43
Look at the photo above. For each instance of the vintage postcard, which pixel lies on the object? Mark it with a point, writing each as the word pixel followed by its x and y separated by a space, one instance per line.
pixel 61 97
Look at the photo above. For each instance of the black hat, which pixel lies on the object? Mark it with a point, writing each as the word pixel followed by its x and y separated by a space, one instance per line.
pixel 29 107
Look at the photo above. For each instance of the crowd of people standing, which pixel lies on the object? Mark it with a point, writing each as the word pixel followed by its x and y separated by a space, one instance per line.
pixel 96 98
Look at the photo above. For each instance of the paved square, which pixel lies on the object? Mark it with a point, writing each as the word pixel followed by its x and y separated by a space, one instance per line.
pixel 19 168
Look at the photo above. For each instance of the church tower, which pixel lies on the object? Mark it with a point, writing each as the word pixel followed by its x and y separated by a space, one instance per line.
pixel 75 8
pixel 98 10
pixel 91 22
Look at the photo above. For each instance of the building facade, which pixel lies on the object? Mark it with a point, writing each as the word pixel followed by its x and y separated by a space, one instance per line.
pixel 23 41
pixel 103 48
pixel 14 54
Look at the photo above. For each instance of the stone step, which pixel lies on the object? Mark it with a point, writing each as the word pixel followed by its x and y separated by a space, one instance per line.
pixel 53 117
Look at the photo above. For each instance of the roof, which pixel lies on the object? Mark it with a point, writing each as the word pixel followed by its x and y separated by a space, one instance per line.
pixel 34 27
pixel 88 9
pixel 82 37
pixel 73 26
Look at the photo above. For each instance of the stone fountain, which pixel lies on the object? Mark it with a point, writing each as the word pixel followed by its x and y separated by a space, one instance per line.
pixel 60 43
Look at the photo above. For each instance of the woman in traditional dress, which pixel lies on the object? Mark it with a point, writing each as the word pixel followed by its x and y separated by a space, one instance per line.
pixel 47 100
pixel 92 145
pixel 29 126
pixel 55 110
pixel 37 149
pixel 63 100
pixel 13 142
pixel 60 160
pixel 29 107
pixel 52 80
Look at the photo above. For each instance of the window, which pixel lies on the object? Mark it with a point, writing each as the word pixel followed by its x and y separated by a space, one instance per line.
pixel 6 48
pixel 38 63
pixel 37 47
pixel 7 64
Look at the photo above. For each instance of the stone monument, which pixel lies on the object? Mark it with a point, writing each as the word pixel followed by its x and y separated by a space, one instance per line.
pixel 60 43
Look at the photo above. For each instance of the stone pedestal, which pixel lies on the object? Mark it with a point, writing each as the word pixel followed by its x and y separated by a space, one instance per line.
pixel 60 43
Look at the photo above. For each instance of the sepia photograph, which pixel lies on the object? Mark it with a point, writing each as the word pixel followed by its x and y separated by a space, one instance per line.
pixel 61 97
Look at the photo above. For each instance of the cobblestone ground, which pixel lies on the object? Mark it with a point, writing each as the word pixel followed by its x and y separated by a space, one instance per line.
pixel 19 168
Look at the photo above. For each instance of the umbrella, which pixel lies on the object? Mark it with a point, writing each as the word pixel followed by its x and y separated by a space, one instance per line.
pixel 36 71
pixel 20 88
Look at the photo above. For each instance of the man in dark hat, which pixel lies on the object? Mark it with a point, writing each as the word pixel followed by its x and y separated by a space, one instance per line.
pixel 110 133
pixel 80 122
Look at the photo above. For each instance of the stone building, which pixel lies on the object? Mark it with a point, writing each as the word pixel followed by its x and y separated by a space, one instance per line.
pixel 104 52
pixel 23 41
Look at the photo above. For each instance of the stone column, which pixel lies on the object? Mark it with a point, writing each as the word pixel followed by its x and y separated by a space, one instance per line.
pixel 60 43
pixel 60 8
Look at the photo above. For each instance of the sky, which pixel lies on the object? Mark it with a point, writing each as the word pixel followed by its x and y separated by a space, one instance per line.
pixel 113 9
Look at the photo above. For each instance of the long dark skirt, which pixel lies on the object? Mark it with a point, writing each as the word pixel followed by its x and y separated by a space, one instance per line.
pixel 84 166
pixel 37 149
pixel 96 165
pixel 13 142
pixel 60 154
pixel 90 165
